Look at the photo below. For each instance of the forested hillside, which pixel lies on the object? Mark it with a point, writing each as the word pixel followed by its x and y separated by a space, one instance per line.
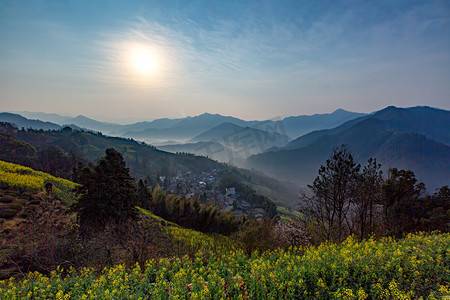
pixel 413 138
pixel 59 151
pixel 143 160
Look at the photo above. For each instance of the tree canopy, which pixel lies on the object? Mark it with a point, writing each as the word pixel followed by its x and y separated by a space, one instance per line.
pixel 106 193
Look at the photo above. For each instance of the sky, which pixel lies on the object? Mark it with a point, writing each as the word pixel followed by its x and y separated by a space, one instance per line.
pixel 249 59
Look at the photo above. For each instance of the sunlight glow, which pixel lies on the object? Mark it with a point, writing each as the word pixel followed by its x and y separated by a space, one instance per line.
pixel 138 63
pixel 143 60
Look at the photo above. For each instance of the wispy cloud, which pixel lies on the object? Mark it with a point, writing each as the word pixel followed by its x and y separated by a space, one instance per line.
pixel 260 56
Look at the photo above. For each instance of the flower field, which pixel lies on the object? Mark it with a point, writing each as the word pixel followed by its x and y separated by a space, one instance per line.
pixel 415 267
pixel 19 177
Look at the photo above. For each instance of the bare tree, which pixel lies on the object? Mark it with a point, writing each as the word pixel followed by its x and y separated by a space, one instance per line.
pixel 367 195
pixel 327 208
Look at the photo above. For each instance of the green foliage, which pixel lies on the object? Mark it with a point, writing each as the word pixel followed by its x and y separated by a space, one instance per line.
pixel 142 159
pixel 46 158
pixel 106 193
pixel 436 211
pixel 401 195
pixel 18 152
pixel 189 213
pixel 412 268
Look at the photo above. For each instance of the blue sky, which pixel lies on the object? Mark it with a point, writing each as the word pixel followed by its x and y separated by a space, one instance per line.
pixel 249 59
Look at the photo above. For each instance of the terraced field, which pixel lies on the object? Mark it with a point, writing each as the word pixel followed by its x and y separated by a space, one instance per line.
pixel 21 179
pixel 21 187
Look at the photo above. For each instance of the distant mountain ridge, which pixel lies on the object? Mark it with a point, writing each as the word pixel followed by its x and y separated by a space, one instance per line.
pixel 227 130
pixel 88 123
pixel 21 121
pixel 184 129
pixel 411 138
pixel 299 125
pixel 47 117
pixel 230 143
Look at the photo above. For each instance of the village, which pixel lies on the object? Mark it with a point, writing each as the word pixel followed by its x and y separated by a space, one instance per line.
pixel 205 187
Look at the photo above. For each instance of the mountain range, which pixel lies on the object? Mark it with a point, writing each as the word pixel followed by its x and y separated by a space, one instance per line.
pixel 21 121
pixel 66 146
pixel 293 126
pixel 416 138
pixel 237 138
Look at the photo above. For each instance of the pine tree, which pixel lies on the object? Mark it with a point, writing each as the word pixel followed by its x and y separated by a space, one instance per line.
pixel 106 193
pixel 401 200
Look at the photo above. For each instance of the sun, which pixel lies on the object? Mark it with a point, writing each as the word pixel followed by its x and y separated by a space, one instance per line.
pixel 143 60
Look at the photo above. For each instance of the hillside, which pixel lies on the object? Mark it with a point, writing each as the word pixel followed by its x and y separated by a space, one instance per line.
pixel 143 160
pixel 192 239
pixel 88 123
pixel 296 126
pixel 15 151
pixel 25 202
pixel 49 117
pixel 210 149
pixel 238 142
pixel 227 132
pixel 401 138
pixel 13 176
pixel 19 185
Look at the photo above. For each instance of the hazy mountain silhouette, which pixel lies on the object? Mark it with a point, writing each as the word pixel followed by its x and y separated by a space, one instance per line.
pixel 299 125
pixel 412 138
pixel 183 129
pixel 229 133
pixel 46 117
pixel 88 123
pixel 20 122
pixel 163 123
pixel 206 121
pixel 190 127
